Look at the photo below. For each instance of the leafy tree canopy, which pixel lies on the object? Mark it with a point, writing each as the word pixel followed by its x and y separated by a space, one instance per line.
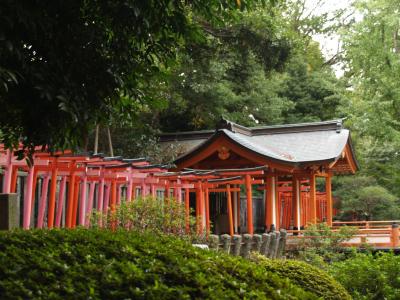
pixel 65 65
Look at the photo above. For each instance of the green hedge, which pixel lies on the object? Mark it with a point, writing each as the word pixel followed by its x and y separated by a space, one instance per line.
pixel 99 264
pixel 308 277
pixel 368 276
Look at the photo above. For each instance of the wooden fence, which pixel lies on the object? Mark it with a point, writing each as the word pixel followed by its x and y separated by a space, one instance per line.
pixel 375 234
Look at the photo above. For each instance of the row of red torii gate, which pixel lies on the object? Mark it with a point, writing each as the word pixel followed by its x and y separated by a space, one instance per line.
pixel 228 181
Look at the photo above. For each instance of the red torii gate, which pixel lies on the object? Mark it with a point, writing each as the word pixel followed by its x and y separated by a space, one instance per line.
pixel 78 172
pixel 78 178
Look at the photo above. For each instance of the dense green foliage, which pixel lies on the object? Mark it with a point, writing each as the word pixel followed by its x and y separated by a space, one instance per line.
pixel 153 215
pixel 362 198
pixel 366 276
pixel 371 59
pixel 65 65
pixel 82 264
pixel 310 278
pixel 323 245
pixel 228 75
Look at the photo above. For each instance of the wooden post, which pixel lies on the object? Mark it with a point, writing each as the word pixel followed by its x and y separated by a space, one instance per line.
pixel 202 210
pixel 100 196
pixel 28 198
pixel 296 202
pixel 166 191
pixel 43 202
pixel 106 199
pixel 8 173
pixel 207 208
pixel 144 189
pixel 270 206
pixel 129 191
pixel 199 209
pixel 329 203
pixel 75 203
pixel 119 191
pixel 230 213
pixel 82 207
pixel 113 195
pixel 313 200
pixel 278 204
pixel 235 211
pixel 14 178
pixel 90 203
pixel 61 197
pixel 34 186
pixel 239 203
pixel 395 236
pixel 249 194
pixel 187 210
pixel 52 199
pixel 70 203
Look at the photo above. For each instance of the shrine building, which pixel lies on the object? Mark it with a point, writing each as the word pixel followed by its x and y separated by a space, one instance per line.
pixel 256 179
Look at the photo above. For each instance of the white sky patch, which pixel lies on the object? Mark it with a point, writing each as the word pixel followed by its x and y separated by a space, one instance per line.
pixel 330 44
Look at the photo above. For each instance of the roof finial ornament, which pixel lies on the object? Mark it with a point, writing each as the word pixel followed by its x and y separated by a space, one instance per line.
pixel 224 124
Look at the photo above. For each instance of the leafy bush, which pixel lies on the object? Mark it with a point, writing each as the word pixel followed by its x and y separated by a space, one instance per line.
pixel 148 215
pixel 322 245
pixel 101 264
pixel 367 276
pixel 308 277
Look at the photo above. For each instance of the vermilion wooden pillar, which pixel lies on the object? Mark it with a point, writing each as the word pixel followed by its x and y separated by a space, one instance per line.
pixel 70 203
pixel 107 198
pixel 60 205
pixel 166 191
pixel 100 196
pixel 113 195
pixel 199 208
pixel 43 201
pixel 82 206
pixel 329 204
pixel 313 200
pixel 144 189
pixel 28 198
pixel 14 178
pixel 8 173
pixel 90 203
pixel 34 186
pixel 270 213
pixel 75 203
pixel 249 194
pixel 52 198
pixel 187 210
pixel 129 190
pixel 230 213
pixel 295 192
pixel 207 209
pixel 277 202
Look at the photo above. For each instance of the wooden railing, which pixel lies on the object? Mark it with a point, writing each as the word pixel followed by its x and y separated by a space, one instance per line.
pixel 376 234
pixel 365 224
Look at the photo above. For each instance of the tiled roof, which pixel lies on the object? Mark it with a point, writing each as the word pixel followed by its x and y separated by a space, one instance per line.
pixel 290 144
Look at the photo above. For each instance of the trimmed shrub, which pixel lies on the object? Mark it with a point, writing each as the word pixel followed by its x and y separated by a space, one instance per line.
pixel 308 277
pixel 100 264
pixel 368 276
